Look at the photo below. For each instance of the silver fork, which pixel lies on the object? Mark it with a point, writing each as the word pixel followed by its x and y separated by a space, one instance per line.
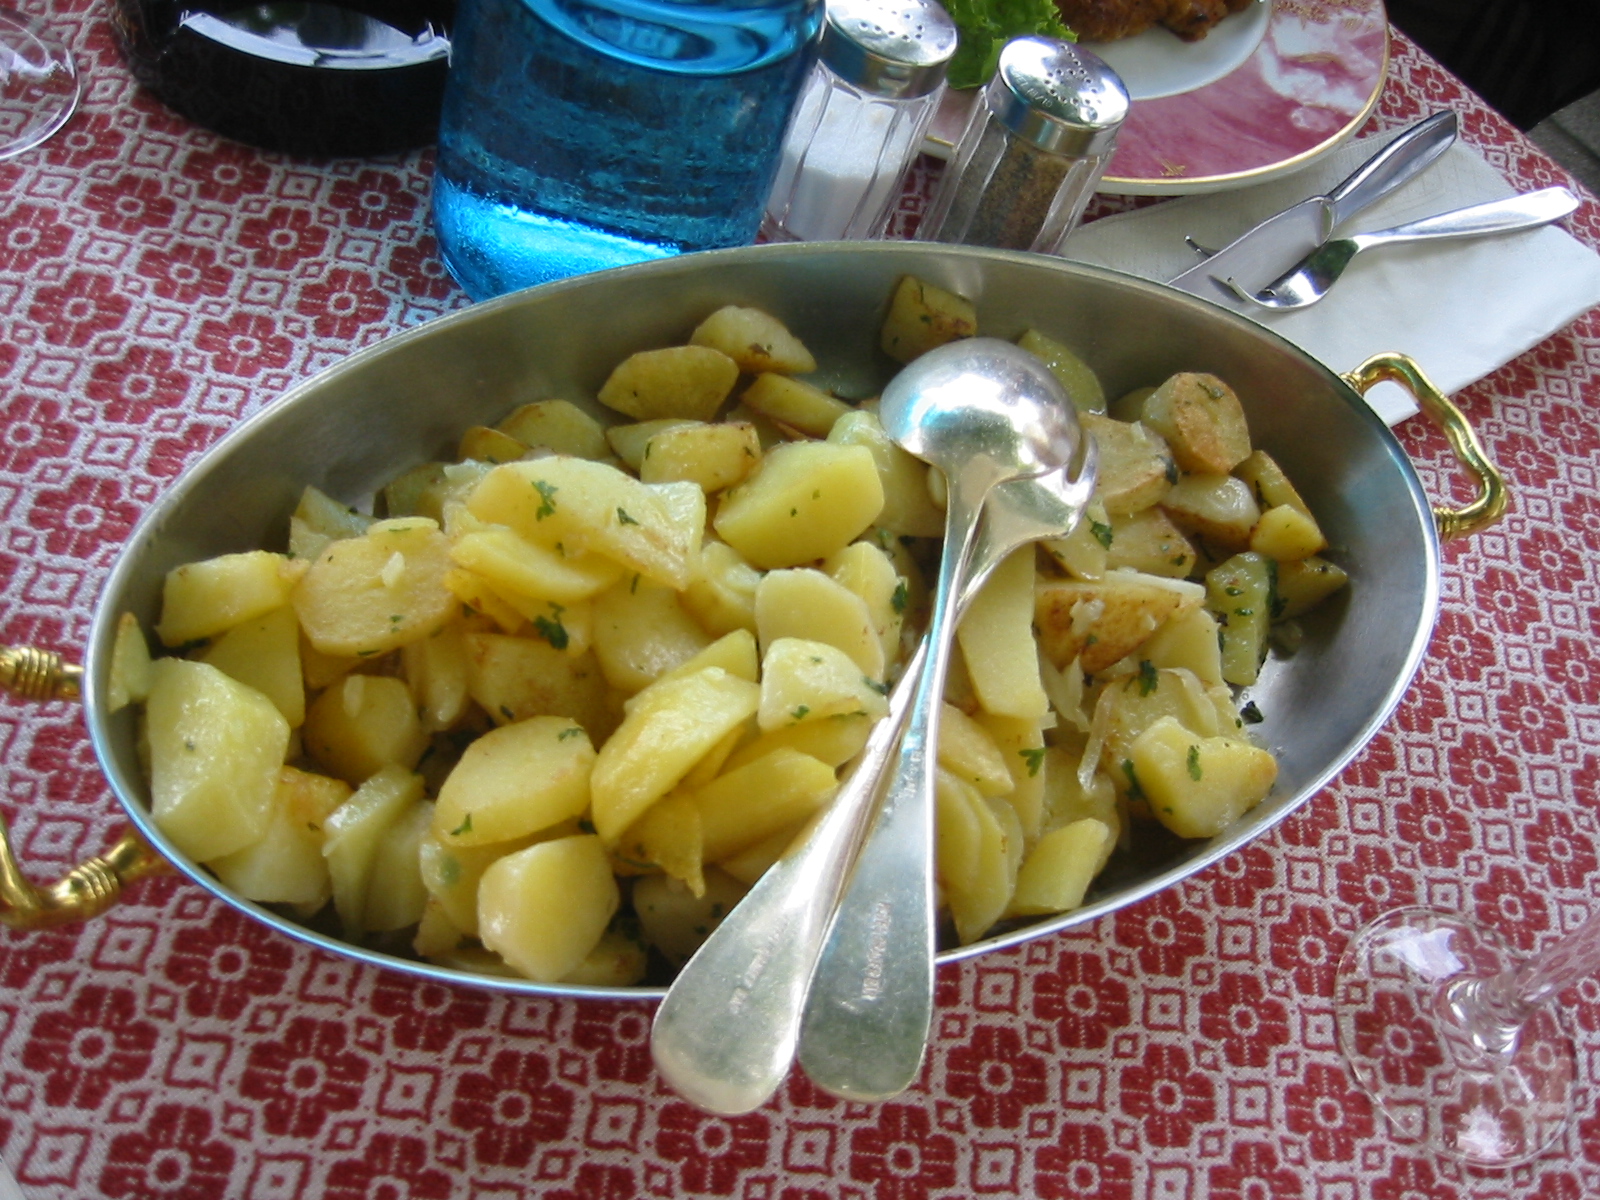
pixel 1320 270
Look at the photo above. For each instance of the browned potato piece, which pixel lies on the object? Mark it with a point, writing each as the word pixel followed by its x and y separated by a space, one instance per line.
pixel 678 381
pixel 489 445
pixel 757 341
pixel 1148 541
pixel 557 425
pixel 1217 508
pixel 514 678
pixel 375 593
pixel 1100 621
pixel 1136 468
pixel 1268 482
pixel 363 724
pixel 713 456
pixel 922 316
pixel 795 403
pixel 1202 420
pixel 1305 584
pixel 1074 375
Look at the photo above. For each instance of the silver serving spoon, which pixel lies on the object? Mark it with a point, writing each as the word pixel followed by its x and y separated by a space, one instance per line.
pixel 725 1035
pixel 866 1020
pixel 1310 280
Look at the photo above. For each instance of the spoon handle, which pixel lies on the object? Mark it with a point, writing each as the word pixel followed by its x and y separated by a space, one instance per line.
pixel 725 1035
pixel 866 1020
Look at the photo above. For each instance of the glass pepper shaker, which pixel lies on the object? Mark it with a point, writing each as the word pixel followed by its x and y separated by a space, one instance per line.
pixel 1032 152
pixel 860 119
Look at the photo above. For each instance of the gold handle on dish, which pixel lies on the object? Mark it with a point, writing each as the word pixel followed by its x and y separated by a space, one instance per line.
pixel 90 887
pixel 1490 504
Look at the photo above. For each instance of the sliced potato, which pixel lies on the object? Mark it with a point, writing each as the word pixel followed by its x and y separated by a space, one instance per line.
pixel 518 894
pixel 1305 584
pixel 1217 508
pixel 764 797
pixel 1071 372
pixel 559 426
pixel 804 681
pixel 375 593
pixel 514 566
pixel 794 403
pixel 1100 621
pixel 514 678
pixel 921 316
pixel 997 641
pixel 202 599
pixel 1058 871
pixel 641 632
pixel 483 444
pixel 670 726
pixel 835 741
pixel 285 866
pixel 1085 553
pixel 1268 483
pixel 629 442
pixel 721 594
pixel 969 753
pixel 353 834
pixel 516 780
pixel 362 724
pixel 1286 534
pixel 805 603
pixel 1198 786
pixel 264 652
pixel 678 381
pixel 1202 421
pixel 908 508
pixel 129 678
pixel 806 501
pixel 674 920
pixel 215 750
pixel 1149 541
pixel 713 457
pixel 754 339
pixel 1240 593
pixel 1135 467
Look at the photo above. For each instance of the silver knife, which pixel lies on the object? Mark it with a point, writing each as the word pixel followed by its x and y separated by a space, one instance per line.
pixel 1265 252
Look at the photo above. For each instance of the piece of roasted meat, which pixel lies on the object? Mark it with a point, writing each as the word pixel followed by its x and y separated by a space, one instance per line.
pixel 1110 20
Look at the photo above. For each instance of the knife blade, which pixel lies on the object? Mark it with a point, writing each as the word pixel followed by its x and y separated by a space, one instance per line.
pixel 1263 253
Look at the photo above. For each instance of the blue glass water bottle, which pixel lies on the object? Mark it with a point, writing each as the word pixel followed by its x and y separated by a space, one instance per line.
pixel 583 134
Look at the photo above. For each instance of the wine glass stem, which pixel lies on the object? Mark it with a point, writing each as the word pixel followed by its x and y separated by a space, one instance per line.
pixel 1490 1011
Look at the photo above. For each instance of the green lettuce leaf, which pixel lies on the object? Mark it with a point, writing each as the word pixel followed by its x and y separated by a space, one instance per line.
pixel 986 26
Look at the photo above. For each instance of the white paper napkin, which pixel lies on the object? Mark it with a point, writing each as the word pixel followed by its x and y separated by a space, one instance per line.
pixel 1461 309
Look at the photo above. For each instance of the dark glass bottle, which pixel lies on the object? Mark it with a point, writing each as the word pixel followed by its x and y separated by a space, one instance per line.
pixel 311 79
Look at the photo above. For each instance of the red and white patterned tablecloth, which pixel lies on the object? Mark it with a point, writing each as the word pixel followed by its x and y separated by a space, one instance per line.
pixel 158 283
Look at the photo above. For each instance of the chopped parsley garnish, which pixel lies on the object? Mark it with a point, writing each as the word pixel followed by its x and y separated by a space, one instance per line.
pixel 799 714
pixel 1102 533
pixel 1135 792
pixel 1148 679
pixel 623 518
pixel 463 828
pixel 575 731
pixel 547 496
pixel 1034 758
pixel 881 688
pixel 1251 714
pixel 1194 763
pixel 901 597
pixel 551 629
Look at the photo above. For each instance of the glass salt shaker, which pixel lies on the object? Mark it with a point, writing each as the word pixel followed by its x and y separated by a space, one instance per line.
pixel 1032 152
pixel 860 120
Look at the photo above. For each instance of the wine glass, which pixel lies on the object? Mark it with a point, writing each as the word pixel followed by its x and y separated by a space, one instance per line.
pixel 38 83
pixel 1455 1036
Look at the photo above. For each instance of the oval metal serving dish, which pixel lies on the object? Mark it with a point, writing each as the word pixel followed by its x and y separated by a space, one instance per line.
pixel 354 426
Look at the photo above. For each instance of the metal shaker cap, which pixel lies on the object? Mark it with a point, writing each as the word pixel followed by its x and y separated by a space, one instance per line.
pixel 1058 96
pixel 899 49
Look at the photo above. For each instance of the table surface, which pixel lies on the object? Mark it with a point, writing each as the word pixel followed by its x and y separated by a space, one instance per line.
pixel 158 283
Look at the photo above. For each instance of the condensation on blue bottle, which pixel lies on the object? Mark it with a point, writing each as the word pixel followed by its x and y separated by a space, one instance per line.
pixel 583 134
